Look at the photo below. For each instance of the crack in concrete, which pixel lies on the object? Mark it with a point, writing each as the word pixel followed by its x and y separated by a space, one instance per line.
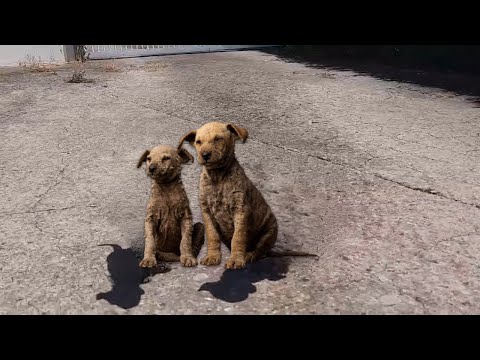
pixel 420 301
pixel 426 191
pixel 420 156
pixel 403 184
pixel 58 180
pixel 416 188
pixel 35 223
pixel 457 236
pixel 47 210
pixel 60 249
pixel 35 307
pixel 323 158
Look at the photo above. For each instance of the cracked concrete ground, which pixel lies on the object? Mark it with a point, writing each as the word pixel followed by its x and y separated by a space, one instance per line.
pixel 379 178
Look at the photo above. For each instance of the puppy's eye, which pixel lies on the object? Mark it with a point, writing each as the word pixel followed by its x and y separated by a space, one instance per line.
pixel 167 158
pixel 198 142
pixel 149 158
pixel 217 139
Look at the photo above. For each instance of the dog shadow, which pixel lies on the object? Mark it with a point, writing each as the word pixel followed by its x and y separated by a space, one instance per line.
pixel 126 277
pixel 236 285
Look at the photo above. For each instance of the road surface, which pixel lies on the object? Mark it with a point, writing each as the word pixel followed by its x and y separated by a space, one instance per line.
pixel 379 178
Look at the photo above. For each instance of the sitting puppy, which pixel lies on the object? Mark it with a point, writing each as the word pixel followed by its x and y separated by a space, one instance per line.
pixel 168 224
pixel 234 211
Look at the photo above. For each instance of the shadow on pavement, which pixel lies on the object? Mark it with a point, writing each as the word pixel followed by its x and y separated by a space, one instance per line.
pixel 126 277
pixel 425 73
pixel 235 285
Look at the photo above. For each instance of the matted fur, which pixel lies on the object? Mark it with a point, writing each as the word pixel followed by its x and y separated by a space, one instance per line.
pixel 169 233
pixel 234 211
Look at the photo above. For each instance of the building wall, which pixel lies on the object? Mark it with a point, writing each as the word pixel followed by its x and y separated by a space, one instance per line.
pixel 11 55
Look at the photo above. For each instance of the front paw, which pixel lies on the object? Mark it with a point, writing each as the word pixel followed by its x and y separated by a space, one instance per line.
pixel 212 259
pixel 188 260
pixel 235 262
pixel 251 257
pixel 148 262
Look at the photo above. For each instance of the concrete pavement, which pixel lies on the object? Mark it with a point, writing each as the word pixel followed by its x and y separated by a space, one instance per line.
pixel 381 179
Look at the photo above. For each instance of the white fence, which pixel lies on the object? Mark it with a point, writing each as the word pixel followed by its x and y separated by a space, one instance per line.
pixel 121 51
pixel 12 55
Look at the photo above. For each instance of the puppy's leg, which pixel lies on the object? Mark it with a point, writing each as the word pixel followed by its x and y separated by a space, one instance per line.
pixel 167 256
pixel 214 256
pixel 149 253
pixel 198 238
pixel 239 242
pixel 265 243
pixel 186 252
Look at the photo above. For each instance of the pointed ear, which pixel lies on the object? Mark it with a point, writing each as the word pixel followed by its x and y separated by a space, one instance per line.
pixel 238 131
pixel 185 156
pixel 143 158
pixel 190 137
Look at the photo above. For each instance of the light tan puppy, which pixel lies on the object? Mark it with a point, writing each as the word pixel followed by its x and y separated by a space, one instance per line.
pixel 234 211
pixel 168 224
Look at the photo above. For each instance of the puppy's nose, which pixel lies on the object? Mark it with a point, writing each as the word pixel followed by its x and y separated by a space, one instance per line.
pixel 206 156
pixel 152 168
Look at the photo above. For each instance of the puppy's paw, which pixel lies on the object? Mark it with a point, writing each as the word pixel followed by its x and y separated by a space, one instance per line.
pixel 251 257
pixel 212 259
pixel 237 262
pixel 188 260
pixel 148 262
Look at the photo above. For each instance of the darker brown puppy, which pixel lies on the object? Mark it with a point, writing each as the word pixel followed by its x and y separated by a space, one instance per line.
pixel 168 224
pixel 234 211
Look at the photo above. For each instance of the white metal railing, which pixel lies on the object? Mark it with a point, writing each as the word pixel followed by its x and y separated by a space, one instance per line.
pixel 119 51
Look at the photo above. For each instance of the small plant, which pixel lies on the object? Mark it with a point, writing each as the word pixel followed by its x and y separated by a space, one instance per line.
pixel 155 66
pixel 37 65
pixel 78 75
pixel 324 75
pixel 111 67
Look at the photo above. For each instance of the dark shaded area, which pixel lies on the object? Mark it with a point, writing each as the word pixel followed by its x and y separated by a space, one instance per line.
pixel 235 285
pixel 126 276
pixel 453 68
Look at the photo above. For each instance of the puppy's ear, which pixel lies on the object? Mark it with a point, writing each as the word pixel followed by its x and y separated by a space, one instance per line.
pixel 185 156
pixel 190 137
pixel 238 131
pixel 143 158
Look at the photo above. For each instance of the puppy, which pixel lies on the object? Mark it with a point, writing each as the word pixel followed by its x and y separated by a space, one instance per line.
pixel 169 233
pixel 234 211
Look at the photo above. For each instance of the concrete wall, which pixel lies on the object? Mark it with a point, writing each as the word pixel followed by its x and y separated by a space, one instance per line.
pixel 10 55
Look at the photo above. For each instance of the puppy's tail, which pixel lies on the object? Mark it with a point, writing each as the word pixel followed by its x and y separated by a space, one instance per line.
pixel 282 253
pixel 115 247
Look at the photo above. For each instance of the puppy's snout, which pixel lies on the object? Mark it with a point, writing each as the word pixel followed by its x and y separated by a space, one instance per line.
pixel 206 155
pixel 152 168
